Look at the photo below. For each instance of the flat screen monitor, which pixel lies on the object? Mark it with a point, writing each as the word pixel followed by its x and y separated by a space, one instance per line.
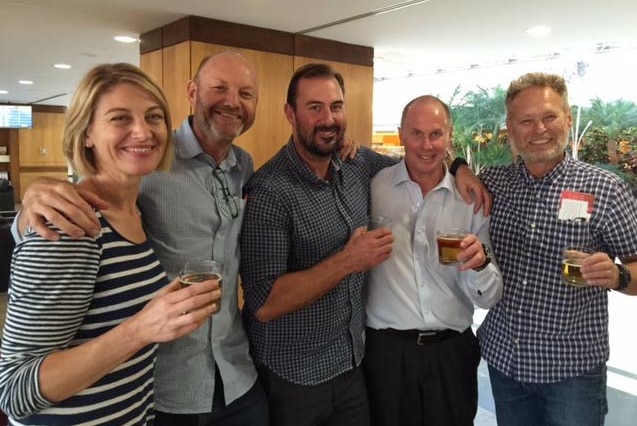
pixel 16 116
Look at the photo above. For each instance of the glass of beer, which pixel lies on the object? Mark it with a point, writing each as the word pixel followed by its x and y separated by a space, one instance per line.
pixel 448 241
pixel 201 270
pixel 375 222
pixel 572 258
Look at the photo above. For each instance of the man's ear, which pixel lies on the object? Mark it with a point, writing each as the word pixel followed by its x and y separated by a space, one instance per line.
pixel 289 114
pixel 569 118
pixel 191 90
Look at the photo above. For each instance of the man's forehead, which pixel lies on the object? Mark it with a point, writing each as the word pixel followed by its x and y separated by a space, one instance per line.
pixel 228 70
pixel 427 113
pixel 318 84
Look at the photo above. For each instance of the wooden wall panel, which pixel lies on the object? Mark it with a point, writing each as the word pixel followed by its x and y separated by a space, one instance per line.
pixel 359 89
pixel 14 166
pixel 177 72
pixel 186 42
pixel 41 146
pixel 271 130
pixel 153 64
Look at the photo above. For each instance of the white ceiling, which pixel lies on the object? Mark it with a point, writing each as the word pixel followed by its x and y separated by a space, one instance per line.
pixel 419 37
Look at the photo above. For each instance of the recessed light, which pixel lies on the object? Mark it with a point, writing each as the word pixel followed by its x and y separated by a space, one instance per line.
pixel 538 31
pixel 25 82
pixel 125 39
pixel 4 92
pixel 62 66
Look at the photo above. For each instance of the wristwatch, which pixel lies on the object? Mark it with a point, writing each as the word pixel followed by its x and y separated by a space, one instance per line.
pixel 487 258
pixel 624 278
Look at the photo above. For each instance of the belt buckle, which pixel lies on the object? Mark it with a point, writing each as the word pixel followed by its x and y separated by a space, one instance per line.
pixel 422 337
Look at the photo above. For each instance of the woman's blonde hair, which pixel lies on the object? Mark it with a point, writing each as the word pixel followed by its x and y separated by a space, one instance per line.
pixel 79 115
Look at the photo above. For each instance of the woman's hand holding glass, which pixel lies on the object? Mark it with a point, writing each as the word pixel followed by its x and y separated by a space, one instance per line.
pixel 176 311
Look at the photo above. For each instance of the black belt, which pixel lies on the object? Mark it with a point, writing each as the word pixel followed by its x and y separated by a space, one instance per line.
pixel 424 337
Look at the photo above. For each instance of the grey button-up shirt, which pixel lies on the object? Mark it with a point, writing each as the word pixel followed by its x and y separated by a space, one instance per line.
pixel 187 217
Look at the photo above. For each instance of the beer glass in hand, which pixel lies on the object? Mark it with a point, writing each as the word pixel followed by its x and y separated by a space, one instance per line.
pixel 201 270
pixel 448 241
pixel 375 222
pixel 572 258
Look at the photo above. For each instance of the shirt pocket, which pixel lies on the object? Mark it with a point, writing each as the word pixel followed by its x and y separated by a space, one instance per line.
pixel 569 233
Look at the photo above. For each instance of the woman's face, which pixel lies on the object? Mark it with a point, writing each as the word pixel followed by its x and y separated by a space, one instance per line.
pixel 128 133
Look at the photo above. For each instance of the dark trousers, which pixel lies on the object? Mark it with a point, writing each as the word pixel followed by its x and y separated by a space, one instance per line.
pixel 251 409
pixel 341 401
pixel 426 380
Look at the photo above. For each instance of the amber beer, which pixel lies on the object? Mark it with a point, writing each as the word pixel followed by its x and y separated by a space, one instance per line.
pixel 572 272
pixel 449 245
pixel 188 279
pixel 201 270
pixel 572 259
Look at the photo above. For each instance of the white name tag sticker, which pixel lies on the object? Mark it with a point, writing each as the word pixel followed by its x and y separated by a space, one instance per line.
pixel 576 206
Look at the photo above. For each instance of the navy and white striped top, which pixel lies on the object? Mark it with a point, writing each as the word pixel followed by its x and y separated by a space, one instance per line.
pixel 62 294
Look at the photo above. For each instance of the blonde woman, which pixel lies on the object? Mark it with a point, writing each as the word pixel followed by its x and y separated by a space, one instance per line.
pixel 85 314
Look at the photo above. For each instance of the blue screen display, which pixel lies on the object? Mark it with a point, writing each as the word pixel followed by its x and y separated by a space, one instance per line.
pixel 16 116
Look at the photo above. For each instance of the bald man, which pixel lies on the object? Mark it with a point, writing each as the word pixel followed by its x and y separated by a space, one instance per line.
pixel 193 212
pixel 421 355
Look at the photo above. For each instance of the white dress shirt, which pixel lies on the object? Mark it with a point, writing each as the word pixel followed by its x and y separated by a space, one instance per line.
pixel 412 290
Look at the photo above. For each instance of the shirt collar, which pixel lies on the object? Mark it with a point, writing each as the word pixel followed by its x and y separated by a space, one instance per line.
pixel 556 173
pixel 303 170
pixel 402 175
pixel 187 146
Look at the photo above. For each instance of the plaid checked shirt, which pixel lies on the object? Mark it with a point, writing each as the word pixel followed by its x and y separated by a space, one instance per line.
pixel 543 331
pixel 293 221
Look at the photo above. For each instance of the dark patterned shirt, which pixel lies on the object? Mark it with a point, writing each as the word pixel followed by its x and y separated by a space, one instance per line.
pixel 542 330
pixel 293 221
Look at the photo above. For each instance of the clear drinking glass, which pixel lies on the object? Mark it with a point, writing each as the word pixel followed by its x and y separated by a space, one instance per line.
pixel 572 258
pixel 448 241
pixel 201 270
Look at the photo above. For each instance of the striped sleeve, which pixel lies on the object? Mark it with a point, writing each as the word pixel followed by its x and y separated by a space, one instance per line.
pixel 52 285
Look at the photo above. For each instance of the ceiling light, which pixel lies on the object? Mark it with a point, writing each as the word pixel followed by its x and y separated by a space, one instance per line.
pixel 125 39
pixel 62 66
pixel 25 82
pixel 4 92
pixel 538 31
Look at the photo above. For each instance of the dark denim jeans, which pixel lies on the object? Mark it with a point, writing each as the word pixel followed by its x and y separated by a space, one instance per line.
pixel 579 401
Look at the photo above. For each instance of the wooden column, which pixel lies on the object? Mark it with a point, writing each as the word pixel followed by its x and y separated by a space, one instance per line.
pixel 39 149
pixel 173 52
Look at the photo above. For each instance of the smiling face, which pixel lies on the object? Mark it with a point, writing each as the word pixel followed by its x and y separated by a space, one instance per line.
pixel 318 120
pixel 538 124
pixel 128 133
pixel 426 133
pixel 224 98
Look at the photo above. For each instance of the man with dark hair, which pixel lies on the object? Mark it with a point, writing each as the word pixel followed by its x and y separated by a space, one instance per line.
pixel 305 251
